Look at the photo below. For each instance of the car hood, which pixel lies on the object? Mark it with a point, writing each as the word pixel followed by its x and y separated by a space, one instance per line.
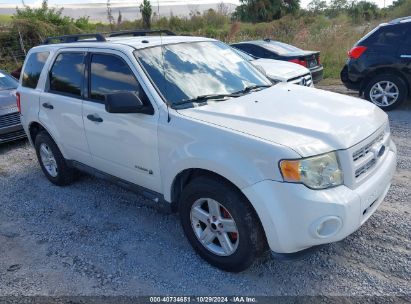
pixel 7 99
pixel 308 120
pixel 283 70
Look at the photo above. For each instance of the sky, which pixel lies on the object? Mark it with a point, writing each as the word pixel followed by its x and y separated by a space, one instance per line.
pixel 161 2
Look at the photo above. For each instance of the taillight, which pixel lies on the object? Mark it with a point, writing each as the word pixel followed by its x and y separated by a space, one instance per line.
pixel 298 61
pixel 356 52
pixel 18 101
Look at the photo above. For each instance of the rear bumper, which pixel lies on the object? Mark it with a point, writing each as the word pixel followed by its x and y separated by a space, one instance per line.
pixel 317 73
pixel 349 84
pixel 295 217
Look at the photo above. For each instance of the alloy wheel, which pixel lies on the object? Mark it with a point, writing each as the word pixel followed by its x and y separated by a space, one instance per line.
pixel 384 93
pixel 214 227
pixel 48 160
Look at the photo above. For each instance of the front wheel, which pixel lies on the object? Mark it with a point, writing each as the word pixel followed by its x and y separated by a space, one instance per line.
pixel 386 91
pixel 220 224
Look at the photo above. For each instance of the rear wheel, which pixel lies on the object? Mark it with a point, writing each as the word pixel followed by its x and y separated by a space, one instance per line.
pixel 386 91
pixel 220 224
pixel 51 160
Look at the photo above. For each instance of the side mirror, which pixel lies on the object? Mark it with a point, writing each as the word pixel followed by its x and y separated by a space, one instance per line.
pixel 126 102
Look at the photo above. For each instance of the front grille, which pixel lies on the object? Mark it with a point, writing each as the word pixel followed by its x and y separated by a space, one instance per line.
pixel 305 80
pixel 360 171
pixel 364 159
pixel 12 135
pixel 9 120
pixel 362 152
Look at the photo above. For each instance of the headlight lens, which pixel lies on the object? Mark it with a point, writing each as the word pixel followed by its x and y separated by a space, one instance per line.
pixel 317 172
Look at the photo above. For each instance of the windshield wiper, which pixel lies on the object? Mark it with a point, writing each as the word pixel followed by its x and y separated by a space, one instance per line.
pixel 204 98
pixel 251 88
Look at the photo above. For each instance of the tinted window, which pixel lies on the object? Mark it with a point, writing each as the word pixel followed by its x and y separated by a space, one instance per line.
pixel 7 82
pixel 109 74
pixel 66 76
pixel 253 50
pixel 32 69
pixel 408 37
pixel 387 36
pixel 281 48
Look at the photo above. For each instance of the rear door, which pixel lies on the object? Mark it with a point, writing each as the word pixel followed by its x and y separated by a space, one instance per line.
pixel 61 104
pixel 123 145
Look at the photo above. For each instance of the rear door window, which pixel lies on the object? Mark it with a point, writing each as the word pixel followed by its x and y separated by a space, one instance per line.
pixel 66 75
pixel 110 74
pixel 32 69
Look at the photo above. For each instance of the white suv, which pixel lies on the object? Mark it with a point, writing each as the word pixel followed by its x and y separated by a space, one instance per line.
pixel 188 122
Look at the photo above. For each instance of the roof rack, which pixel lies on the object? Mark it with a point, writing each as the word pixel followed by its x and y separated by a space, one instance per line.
pixel 140 33
pixel 399 20
pixel 73 38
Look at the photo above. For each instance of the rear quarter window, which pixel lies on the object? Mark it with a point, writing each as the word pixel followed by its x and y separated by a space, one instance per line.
pixel 391 35
pixel 33 68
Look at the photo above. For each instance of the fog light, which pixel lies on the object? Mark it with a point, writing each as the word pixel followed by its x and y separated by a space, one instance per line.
pixel 326 227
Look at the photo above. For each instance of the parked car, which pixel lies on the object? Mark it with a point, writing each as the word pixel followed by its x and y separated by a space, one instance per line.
pixel 277 50
pixel 280 71
pixel 10 126
pixel 379 64
pixel 189 123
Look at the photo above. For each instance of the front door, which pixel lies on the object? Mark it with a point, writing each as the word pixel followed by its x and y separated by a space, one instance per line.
pixel 123 145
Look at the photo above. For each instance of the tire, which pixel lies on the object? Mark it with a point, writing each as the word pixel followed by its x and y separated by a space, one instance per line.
pixel 249 241
pixel 63 175
pixel 391 101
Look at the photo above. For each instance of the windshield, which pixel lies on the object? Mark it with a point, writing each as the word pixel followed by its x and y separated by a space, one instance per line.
pixel 188 71
pixel 7 82
pixel 281 48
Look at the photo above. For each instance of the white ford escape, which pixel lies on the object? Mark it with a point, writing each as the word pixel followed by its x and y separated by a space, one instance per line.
pixel 186 121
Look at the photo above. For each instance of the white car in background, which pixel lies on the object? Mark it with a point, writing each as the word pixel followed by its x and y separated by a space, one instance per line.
pixel 280 71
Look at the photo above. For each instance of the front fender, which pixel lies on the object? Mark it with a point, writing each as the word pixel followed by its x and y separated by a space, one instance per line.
pixel 240 158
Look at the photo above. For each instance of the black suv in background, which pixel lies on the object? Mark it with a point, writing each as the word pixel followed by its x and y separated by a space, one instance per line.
pixel 379 65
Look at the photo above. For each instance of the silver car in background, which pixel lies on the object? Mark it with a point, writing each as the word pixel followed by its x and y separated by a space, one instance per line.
pixel 10 125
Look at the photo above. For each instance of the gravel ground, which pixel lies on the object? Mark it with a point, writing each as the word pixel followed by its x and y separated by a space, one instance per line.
pixel 94 238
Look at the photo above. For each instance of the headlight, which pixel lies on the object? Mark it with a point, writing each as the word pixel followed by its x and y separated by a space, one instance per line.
pixel 316 172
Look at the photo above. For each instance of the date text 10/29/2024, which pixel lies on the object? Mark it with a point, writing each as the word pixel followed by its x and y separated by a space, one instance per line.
pixel 202 299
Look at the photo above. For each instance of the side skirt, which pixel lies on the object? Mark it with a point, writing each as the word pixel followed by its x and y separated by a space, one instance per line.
pixel 153 196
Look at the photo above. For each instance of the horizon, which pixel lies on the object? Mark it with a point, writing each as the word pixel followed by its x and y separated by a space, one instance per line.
pixel 119 3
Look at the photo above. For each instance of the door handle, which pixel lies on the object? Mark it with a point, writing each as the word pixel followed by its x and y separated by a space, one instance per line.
pixel 94 118
pixel 405 56
pixel 48 106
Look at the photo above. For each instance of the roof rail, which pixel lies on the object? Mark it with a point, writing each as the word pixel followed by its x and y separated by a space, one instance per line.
pixel 73 38
pixel 140 33
pixel 399 20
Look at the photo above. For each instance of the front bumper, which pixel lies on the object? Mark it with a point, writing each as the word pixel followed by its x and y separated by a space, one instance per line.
pixel 11 133
pixel 295 217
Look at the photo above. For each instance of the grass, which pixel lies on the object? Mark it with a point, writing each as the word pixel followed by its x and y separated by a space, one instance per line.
pixel 5 19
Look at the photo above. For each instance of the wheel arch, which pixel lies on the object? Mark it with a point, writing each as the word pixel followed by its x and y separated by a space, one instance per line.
pixel 35 128
pixel 184 177
pixel 384 70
